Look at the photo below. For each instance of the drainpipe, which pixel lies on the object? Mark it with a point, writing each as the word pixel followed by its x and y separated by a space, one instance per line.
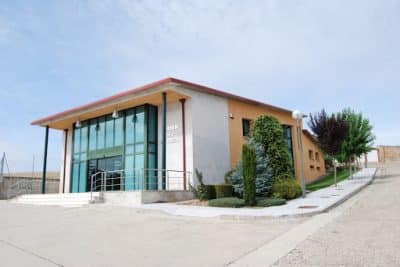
pixel 46 142
pixel 183 142
pixel 65 158
pixel 164 139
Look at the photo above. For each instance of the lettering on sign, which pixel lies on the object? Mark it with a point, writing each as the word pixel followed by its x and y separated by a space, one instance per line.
pixel 172 133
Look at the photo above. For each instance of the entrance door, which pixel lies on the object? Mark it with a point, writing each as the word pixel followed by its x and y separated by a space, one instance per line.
pixel 111 168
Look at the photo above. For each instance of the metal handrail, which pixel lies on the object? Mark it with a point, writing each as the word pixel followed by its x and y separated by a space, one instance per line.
pixel 143 179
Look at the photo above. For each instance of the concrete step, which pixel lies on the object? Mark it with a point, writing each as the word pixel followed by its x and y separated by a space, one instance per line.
pixel 66 200
pixel 66 195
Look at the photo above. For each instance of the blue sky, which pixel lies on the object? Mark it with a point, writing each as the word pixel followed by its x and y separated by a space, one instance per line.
pixel 303 55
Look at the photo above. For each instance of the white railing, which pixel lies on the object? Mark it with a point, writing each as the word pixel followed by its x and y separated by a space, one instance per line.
pixel 139 180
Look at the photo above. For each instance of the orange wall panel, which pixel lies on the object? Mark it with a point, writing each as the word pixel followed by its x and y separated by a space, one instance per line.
pixel 240 110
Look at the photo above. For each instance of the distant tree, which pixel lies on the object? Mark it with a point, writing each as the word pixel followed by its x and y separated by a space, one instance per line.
pixel 331 131
pixel 359 138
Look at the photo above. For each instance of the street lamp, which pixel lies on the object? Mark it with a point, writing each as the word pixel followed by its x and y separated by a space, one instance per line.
pixel 298 116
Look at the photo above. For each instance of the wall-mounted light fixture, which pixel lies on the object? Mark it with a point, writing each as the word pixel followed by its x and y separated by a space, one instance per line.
pixel 231 116
pixel 78 124
pixel 115 114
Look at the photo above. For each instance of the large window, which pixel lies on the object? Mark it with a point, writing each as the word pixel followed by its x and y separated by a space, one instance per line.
pixel 132 136
pixel 79 158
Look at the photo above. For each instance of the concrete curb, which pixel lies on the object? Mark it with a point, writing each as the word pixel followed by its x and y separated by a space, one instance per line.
pixel 366 178
pixel 350 195
pixel 305 215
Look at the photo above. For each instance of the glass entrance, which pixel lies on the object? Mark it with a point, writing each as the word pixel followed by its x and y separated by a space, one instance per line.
pixel 109 143
pixel 108 169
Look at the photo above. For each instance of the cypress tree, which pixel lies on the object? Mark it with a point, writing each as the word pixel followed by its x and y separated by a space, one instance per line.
pixel 249 175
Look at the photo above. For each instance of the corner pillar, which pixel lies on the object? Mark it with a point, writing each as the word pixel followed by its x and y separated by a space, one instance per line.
pixel 46 142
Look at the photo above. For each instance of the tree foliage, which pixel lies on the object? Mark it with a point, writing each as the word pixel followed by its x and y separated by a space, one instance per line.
pixel 359 138
pixel 249 175
pixel 330 130
pixel 263 173
pixel 268 132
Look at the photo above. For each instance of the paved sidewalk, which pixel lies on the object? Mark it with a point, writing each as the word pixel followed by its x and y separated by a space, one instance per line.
pixel 315 202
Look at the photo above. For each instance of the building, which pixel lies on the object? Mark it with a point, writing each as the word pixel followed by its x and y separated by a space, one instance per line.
pixel 155 136
pixel 387 154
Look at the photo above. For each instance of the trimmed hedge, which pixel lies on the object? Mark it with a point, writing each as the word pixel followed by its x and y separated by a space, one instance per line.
pixel 269 202
pixel 286 188
pixel 223 190
pixel 226 202
pixel 206 192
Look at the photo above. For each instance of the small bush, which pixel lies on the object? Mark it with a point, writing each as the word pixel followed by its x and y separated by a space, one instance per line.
pixel 206 191
pixel 269 202
pixel 223 190
pixel 286 188
pixel 227 202
pixel 227 176
pixel 202 191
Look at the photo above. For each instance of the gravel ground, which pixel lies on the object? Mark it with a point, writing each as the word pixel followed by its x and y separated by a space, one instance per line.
pixel 366 234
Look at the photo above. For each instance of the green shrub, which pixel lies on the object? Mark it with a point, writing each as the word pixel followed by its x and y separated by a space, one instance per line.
pixel 223 190
pixel 269 202
pixel 227 177
pixel 263 174
pixel 206 192
pixel 249 175
pixel 268 132
pixel 202 191
pixel 227 202
pixel 286 188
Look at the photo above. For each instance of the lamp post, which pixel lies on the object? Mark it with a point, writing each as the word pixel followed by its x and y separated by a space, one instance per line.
pixel 298 116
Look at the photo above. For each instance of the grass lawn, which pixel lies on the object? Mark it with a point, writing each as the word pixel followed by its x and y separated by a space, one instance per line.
pixel 328 180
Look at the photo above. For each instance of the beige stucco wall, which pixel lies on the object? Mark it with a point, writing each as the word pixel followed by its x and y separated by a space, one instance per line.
pixel 388 153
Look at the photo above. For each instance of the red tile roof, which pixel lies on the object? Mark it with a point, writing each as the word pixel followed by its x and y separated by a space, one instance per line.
pixel 193 86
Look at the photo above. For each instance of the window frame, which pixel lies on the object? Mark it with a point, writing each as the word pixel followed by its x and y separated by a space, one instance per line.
pixel 246 121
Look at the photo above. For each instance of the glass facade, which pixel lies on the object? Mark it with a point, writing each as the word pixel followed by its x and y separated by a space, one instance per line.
pixel 287 134
pixel 126 146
